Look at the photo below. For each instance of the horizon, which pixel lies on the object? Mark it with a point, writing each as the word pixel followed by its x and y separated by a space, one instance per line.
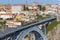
pixel 29 2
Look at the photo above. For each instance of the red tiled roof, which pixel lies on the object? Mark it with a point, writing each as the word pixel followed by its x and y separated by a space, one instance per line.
pixel 18 4
pixel 6 14
pixel 32 11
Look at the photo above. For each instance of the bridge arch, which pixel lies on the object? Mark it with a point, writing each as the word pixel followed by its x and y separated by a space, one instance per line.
pixel 37 32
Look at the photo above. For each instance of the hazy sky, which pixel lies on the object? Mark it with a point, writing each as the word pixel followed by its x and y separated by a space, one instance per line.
pixel 29 1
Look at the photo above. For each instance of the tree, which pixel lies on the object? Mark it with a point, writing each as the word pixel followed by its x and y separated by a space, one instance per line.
pixel 26 8
pixel 39 6
pixel 1 18
pixel 43 9
pixel 37 16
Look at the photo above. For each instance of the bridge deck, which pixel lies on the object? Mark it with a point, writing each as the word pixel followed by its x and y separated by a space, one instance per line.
pixel 11 30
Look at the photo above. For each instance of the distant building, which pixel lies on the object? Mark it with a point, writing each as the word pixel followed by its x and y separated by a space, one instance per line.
pixel 16 8
pixel 32 7
pixel 35 3
pixel 24 12
pixel 11 23
pixel 5 7
pixel 5 11
pixel 32 12
pixel 5 16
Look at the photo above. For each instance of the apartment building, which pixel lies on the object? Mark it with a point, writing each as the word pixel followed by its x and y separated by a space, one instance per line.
pixel 16 8
pixel 5 11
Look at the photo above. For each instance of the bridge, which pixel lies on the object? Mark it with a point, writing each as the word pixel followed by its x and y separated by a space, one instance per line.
pixel 29 32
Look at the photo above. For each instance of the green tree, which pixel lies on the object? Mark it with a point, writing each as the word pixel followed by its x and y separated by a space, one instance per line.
pixel 39 6
pixel 43 8
pixel 2 24
pixel 26 8
pixel 1 18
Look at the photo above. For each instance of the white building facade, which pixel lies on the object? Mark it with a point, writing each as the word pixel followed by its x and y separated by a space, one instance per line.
pixel 16 8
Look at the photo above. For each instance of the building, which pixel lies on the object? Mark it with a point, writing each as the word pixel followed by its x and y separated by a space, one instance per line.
pixel 16 8
pixel 11 23
pixel 32 12
pixel 34 3
pixel 5 7
pixel 32 7
pixel 5 11
pixel 24 12
pixel 5 16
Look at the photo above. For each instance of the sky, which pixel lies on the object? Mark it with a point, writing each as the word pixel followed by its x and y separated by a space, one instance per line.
pixel 29 1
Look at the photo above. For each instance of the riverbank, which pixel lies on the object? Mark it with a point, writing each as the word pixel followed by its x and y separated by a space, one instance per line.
pixel 51 26
pixel 54 34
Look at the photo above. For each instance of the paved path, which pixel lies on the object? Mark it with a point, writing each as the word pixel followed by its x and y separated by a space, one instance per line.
pixel 54 34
